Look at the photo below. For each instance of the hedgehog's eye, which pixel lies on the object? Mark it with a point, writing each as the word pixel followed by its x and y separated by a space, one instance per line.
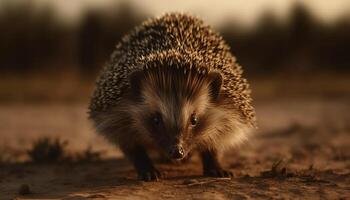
pixel 156 119
pixel 194 119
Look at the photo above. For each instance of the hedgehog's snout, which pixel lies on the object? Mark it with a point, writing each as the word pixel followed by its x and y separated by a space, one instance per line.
pixel 177 152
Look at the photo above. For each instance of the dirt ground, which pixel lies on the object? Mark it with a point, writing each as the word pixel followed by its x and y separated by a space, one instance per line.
pixel 301 151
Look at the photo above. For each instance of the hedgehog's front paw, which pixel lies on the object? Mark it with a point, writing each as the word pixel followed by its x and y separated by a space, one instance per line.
pixel 150 175
pixel 218 173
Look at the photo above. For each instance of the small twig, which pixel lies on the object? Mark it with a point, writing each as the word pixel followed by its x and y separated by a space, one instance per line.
pixel 195 182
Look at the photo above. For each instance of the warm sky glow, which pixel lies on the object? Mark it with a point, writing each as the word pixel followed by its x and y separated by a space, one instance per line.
pixel 213 11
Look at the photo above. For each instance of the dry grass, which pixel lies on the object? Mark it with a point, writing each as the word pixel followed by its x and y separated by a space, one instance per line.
pixel 46 150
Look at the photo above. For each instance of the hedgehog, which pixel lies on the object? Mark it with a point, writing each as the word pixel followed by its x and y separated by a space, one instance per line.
pixel 172 85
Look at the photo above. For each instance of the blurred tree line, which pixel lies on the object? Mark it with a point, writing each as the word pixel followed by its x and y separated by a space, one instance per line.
pixel 302 44
pixel 34 39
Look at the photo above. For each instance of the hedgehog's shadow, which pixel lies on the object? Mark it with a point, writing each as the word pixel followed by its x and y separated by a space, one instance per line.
pixel 64 179
pixel 60 180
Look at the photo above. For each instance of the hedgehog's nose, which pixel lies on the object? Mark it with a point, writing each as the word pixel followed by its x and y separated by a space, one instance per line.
pixel 177 152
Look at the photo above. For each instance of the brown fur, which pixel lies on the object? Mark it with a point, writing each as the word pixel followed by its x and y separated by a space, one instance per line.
pixel 176 96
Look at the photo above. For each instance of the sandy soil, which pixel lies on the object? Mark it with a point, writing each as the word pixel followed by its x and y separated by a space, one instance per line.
pixel 301 151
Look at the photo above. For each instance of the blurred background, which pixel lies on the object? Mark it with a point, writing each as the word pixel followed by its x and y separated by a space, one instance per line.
pixel 51 52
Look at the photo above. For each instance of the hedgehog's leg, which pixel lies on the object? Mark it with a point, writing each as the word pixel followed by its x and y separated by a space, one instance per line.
pixel 211 165
pixel 138 156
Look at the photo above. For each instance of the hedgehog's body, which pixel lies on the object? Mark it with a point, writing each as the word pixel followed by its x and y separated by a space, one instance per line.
pixel 172 83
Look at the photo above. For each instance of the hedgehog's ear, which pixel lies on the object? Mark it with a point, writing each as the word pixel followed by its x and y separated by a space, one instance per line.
pixel 135 79
pixel 215 82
